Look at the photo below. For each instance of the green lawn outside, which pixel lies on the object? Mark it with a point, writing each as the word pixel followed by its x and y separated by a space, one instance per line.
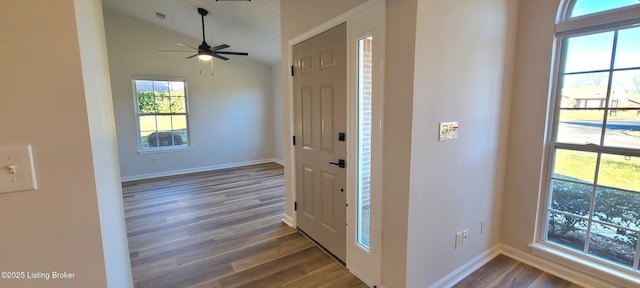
pixel 615 170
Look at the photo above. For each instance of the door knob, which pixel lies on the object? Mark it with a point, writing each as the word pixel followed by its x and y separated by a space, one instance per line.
pixel 341 163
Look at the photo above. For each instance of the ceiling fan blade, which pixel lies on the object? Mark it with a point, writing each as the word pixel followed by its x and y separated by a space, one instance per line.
pixel 232 53
pixel 183 45
pixel 219 47
pixel 170 50
pixel 194 55
pixel 220 57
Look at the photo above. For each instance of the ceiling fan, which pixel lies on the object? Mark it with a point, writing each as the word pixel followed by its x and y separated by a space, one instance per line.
pixel 204 51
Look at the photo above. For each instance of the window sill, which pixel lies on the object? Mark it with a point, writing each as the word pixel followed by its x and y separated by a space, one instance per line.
pixel 593 267
pixel 164 150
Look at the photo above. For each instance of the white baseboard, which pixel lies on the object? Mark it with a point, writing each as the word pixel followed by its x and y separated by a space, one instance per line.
pixel 196 170
pixel 288 220
pixel 279 161
pixel 468 268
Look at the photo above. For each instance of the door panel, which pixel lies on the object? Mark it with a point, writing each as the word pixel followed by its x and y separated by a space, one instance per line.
pixel 320 114
pixel 326 110
pixel 328 187
pixel 307 184
pixel 307 117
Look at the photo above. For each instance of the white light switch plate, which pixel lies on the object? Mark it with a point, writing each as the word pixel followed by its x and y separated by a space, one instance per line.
pixel 448 131
pixel 17 172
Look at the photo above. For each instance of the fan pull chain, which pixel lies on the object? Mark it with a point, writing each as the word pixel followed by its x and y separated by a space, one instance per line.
pixel 211 67
pixel 199 66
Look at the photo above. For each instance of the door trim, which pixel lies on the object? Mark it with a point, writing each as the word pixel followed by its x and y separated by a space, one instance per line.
pixel 365 19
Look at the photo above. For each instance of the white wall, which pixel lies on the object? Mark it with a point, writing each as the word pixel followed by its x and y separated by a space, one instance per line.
pixel 278 116
pixel 56 227
pixel 464 59
pixel 231 113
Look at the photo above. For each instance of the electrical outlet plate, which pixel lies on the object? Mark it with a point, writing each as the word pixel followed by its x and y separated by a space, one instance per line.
pixel 465 236
pixel 17 171
pixel 459 237
pixel 448 131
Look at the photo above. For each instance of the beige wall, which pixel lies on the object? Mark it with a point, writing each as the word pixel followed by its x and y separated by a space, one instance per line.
pixel 230 113
pixel 57 227
pixel 528 117
pixel 463 72
pixel 398 103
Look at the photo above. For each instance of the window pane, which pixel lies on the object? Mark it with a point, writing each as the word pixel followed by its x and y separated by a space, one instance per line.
pixel 620 172
pixel 588 90
pixel 163 104
pixel 585 7
pixel 144 85
pixel 164 123
pixel 364 140
pixel 179 122
pixel 611 243
pixel 146 102
pixel 618 207
pixel 567 230
pixel 178 105
pixel 625 91
pixel 148 123
pixel 623 132
pixel 161 88
pixel 589 52
pixel 571 197
pixel 144 139
pixel 580 126
pixel 575 165
pixel 177 88
pixel 628 47
pixel 180 137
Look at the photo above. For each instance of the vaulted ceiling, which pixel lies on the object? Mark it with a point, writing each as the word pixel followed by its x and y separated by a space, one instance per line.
pixel 246 26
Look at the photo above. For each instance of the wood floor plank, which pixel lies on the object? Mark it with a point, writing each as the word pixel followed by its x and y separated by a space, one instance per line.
pixel 503 271
pixel 220 229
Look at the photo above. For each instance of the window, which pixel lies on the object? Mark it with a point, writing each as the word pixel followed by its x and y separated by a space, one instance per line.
pixel 365 104
pixel 162 112
pixel 587 7
pixel 594 173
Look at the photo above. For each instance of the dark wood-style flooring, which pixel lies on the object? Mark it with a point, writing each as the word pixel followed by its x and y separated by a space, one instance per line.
pixel 222 229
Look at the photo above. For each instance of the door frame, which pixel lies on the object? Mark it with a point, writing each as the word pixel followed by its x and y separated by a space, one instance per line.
pixel 367 19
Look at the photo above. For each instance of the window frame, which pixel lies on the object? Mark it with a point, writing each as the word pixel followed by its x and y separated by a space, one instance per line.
pixel 566 28
pixel 159 149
